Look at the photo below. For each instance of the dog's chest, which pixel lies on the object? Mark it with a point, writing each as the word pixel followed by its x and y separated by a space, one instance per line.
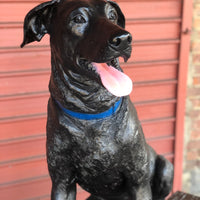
pixel 97 149
pixel 98 161
pixel 105 153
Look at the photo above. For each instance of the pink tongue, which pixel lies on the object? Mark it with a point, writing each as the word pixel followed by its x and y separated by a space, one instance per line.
pixel 116 82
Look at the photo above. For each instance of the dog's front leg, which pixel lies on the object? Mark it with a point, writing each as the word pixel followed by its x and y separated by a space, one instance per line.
pixel 143 192
pixel 59 158
pixel 63 192
pixel 62 177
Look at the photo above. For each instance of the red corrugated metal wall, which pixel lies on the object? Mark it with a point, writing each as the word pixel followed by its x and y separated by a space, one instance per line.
pixel 24 74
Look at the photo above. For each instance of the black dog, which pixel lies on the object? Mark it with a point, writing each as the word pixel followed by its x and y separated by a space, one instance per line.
pixel 94 137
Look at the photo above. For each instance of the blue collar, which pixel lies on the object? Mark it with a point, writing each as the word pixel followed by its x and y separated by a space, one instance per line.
pixel 85 116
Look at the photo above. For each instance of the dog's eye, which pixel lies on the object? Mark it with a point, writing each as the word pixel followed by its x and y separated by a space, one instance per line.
pixel 79 19
pixel 112 15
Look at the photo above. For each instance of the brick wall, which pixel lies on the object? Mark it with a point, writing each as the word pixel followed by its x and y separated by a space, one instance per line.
pixel 191 174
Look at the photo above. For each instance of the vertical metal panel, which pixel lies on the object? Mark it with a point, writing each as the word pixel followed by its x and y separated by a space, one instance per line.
pixel 181 94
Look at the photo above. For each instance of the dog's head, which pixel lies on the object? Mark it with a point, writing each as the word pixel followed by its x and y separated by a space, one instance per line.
pixel 86 36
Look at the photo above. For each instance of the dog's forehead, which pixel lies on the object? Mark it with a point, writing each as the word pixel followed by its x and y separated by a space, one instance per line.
pixel 86 2
pixel 70 5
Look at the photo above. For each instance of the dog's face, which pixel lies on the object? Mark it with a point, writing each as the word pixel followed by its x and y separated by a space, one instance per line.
pixel 83 33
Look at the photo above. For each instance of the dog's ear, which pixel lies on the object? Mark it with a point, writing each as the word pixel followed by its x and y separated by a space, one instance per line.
pixel 121 18
pixel 37 22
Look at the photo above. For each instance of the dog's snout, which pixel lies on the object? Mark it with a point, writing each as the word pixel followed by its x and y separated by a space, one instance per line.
pixel 121 41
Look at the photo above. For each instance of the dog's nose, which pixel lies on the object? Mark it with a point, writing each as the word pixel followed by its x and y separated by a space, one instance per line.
pixel 121 41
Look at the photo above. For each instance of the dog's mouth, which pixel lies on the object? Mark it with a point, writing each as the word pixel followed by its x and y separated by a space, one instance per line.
pixel 111 75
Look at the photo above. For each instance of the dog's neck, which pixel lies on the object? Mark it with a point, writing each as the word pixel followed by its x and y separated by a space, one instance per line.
pixel 78 92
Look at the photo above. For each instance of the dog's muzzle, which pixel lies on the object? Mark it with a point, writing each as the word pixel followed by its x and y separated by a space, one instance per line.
pixel 121 42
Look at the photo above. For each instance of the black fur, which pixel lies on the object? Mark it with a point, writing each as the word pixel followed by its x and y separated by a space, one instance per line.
pixel 108 157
